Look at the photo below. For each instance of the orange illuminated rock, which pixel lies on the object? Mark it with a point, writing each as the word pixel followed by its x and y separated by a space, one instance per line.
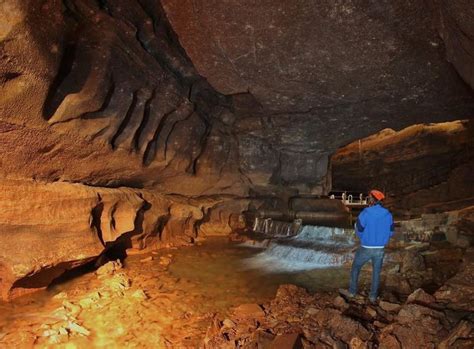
pixel 47 228
pixel 249 311
pixel 424 168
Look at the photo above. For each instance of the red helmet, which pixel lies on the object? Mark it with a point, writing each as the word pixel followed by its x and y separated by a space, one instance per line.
pixel 377 195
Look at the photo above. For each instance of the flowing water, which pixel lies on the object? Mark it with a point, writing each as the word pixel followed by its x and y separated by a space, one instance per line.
pixel 315 259
pixel 314 248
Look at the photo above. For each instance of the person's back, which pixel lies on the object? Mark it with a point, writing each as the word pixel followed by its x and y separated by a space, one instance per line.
pixel 374 227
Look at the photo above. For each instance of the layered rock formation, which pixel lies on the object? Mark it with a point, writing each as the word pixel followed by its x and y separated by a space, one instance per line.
pixel 103 84
pixel 47 228
pixel 423 168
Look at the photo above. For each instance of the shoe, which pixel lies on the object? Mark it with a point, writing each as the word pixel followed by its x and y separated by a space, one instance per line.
pixel 372 300
pixel 346 293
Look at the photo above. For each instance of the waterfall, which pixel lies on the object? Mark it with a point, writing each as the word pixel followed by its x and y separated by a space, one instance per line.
pixel 313 247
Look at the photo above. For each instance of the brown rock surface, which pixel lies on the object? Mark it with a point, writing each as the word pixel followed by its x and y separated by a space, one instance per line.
pixel 319 325
pixel 458 292
pixel 61 225
pixel 287 60
pixel 322 74
pixel 101 82
pixel 51 225
pixel 423 168
pixel 455 24
pixel 421 297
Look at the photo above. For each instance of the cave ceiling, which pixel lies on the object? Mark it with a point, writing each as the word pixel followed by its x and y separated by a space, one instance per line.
pixel 327 71
pixel 202 97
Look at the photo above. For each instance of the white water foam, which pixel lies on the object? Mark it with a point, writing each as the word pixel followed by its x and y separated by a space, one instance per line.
pixel 314 247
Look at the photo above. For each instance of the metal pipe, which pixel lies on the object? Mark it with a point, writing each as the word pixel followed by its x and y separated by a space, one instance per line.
pixel 307 217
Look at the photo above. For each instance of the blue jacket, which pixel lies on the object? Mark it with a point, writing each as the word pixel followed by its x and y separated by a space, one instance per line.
pixel 374 226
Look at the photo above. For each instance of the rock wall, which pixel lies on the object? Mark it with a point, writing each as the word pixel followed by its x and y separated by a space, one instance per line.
pixel 82 81
pixel 453 226
pixel 455 20
pixel 423 168
pixel 48 228
pixel 86 82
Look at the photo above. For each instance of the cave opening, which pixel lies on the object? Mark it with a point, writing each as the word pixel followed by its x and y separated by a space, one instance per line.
pixel 195 174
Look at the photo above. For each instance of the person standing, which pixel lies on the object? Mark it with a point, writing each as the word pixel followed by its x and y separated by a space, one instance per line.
pixel 374 227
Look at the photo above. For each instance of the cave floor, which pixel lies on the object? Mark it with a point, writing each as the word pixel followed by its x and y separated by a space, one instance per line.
pixel 165 298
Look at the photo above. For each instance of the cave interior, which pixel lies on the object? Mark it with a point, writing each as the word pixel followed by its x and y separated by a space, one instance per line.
pixel 148 147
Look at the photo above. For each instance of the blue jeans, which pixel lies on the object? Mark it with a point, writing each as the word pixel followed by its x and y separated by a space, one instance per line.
pixel 362 256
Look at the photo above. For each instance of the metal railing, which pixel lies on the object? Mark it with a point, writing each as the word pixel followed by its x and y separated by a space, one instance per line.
pixel 348 199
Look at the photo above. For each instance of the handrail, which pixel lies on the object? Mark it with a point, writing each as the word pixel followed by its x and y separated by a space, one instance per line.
pixel 349 199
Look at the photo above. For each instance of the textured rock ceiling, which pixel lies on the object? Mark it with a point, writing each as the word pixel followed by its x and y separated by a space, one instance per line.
pixel 327 71
pixel 112 92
